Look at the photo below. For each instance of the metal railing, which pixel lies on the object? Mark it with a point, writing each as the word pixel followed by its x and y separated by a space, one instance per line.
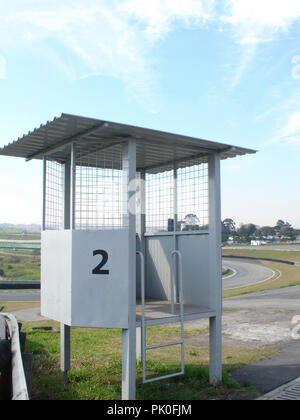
pixel 19 385
pixel 145 348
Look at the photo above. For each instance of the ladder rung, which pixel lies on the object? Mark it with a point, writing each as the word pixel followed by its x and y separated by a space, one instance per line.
pixel 158 378
pixel 157 346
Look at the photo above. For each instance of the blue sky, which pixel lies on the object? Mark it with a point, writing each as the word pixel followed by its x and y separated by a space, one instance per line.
pixel 226 70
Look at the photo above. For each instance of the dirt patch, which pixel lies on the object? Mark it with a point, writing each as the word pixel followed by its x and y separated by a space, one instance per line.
pixel 247 328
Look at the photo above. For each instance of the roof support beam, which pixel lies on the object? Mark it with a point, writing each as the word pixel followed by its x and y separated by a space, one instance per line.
pixel 64 142
pixel 173 144
pixel 171 162
pixel 204 153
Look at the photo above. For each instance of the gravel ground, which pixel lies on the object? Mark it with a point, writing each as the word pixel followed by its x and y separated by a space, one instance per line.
pixel 256 320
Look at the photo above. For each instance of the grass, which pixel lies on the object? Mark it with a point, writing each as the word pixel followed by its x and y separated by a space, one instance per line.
pixel 97 367
pixel 17 234
pixel 285 275
pixel 16 306
pixel 226 272
pixel 96 353
pixel 293 256
pixel 16 266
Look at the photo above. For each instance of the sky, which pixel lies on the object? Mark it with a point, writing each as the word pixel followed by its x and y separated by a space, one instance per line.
pixel 222 70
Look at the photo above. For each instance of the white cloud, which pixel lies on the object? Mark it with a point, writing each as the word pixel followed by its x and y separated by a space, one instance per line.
pixel 114 37
pixel 92 30
pixel 254 22
pixel 110 37
pixel 247 55
pixel 159 16
pixel 257 21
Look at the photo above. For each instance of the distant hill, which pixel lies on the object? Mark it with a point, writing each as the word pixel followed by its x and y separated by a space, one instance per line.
pixel 19 228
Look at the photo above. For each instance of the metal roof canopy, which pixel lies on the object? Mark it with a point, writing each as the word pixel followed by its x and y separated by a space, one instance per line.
pixel 157 151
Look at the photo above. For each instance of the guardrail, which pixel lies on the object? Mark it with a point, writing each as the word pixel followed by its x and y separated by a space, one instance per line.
pixel 14 369
pixel 15 284
pixel 259 258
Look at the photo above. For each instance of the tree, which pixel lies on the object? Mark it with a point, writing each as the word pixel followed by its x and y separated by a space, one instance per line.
pixel 229 225
pixel 228 229
pixel 285 230
pixel 279 225
pixel 266 231
pixel 246 232
pixel 291 234
pixel 191 222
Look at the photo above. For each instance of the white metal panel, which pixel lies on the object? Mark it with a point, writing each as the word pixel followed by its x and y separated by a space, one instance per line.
pixel 100 300
pixel 56 268
pixel 158 267
pixel 195 262
pixel 78 292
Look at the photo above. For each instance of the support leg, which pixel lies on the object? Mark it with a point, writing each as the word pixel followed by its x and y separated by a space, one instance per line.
pixel 129 364
pixel 139 344
pixel 215 334
pixel 65 351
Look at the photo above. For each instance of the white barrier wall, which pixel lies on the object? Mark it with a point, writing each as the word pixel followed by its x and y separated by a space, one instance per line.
pixel 85 277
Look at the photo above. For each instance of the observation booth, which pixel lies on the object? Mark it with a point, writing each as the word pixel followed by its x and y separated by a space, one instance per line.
pixel 131 233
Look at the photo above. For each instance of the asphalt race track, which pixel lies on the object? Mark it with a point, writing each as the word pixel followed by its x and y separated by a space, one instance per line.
pixel 245 273
pixel 19 295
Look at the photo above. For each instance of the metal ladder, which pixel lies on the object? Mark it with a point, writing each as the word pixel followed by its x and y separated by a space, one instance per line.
pixel 144 323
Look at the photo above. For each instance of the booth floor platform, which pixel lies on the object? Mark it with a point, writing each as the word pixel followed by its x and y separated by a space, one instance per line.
pixel 159 312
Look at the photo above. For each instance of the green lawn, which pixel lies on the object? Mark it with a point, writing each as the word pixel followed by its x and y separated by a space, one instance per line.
pixel 263 253
pixel 96 353
pixel 17 235
pixel 16 306
pixel 19 265
pixel 97 366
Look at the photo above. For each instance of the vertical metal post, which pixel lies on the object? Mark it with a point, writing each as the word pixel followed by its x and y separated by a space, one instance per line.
pixel 129 335
pixel 175 216
pixel 65 351
pixel 175 197
pixel 67 196
pixel 68 223
pixel 215 269
pixel 44 192
pixel 73 186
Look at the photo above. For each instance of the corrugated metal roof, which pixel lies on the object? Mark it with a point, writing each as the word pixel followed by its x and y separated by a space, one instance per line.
pixel 156 150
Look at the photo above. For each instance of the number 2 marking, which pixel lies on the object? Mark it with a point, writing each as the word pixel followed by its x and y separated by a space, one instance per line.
pixel 104 254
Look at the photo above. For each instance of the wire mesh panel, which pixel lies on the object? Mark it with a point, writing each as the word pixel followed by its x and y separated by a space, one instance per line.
pixel 192 197
pixel 53 200
pixel 181 198
pixel 159 201
pixel 99 190
pixel 100 202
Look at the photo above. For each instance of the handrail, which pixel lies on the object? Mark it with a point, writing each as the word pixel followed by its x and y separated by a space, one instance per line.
pixel 143 321
pixel 181 303
pixel 178 253
pixel 141 255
